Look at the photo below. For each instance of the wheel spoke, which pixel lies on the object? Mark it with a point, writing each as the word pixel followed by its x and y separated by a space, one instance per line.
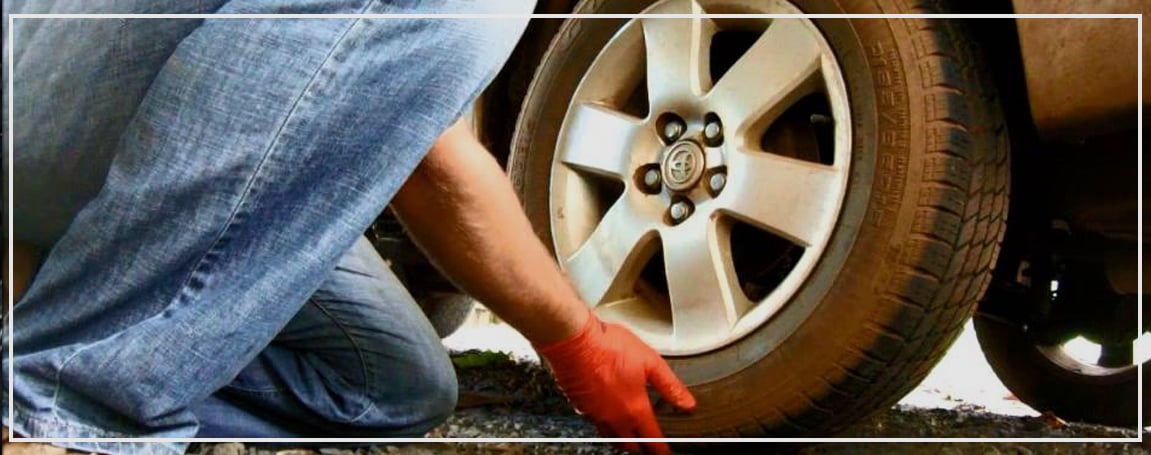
pixel 677 55
pixel 705 299
pixel 792 198
pixel 774 73
pixel 600 140
pixel 612 257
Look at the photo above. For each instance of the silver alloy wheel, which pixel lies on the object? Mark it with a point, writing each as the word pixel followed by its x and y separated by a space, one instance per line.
pixel 1058 355
pixel 605 251
pixel 1110 360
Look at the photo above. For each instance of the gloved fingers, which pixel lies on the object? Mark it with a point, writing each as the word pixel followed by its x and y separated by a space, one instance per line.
pixel 604 430
pixel 648 427
pixel 609 430
pixel 656 448
pixel 628 446
pixel 668 385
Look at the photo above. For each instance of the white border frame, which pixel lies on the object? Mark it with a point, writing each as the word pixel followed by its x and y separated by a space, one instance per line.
pixel 8 279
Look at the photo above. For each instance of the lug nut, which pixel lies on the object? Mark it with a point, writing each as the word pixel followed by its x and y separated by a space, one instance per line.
pixel 712 130
pixel 717 181
pixel 651 179
pixel 679 211
pixel 648 179
pixel 673 129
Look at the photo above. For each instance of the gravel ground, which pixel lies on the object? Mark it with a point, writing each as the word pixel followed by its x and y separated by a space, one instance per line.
pixel 509 395
pixel 505 397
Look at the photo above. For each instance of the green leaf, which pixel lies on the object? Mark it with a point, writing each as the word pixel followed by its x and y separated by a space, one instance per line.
pixel 475 358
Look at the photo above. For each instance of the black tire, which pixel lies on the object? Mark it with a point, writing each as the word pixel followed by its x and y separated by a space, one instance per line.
pixel 1054 384
pixel 1026 350
pixel 447 311
pixel 909 259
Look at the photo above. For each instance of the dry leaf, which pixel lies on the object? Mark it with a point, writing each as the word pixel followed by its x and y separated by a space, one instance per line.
pixel 1053 420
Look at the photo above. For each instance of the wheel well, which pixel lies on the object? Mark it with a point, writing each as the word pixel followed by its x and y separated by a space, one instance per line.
pixel 999 41
pixel 500 104
pixel 998 38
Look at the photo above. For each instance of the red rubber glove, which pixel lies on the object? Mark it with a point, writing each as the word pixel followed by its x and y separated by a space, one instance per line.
pixel 604 371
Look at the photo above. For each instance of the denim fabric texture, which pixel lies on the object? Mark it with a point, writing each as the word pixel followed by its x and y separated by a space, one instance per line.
pixel 203 186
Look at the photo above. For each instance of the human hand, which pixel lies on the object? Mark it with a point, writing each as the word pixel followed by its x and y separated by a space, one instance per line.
pixel 604 371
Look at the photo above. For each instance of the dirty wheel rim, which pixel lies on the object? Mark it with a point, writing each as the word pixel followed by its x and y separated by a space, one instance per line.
pixel 1057 355
pixel 687 171
pixel 1116 358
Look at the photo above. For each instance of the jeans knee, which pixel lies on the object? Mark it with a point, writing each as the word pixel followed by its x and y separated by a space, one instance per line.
pixel 412 404
pixel 437 398
pixel 444 398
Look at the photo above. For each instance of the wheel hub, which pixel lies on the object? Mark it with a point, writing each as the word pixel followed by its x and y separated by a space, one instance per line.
pixel 682 165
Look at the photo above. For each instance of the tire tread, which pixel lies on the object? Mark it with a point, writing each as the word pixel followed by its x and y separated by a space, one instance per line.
pixel 955 241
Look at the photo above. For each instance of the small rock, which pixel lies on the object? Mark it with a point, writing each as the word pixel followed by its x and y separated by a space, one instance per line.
pixel 1053 420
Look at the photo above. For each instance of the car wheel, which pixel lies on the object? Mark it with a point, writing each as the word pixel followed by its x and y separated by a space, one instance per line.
pixel 798 214
pixel 1075 358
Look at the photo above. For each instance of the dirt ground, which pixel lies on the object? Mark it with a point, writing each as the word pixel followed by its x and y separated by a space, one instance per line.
pixel 508 395
pixel 496 415
pixel 499 421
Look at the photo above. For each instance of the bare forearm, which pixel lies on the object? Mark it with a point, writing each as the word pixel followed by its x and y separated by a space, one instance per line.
pixel 460 208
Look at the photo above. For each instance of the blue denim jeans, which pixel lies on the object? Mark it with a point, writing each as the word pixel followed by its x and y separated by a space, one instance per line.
pixel 203 186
